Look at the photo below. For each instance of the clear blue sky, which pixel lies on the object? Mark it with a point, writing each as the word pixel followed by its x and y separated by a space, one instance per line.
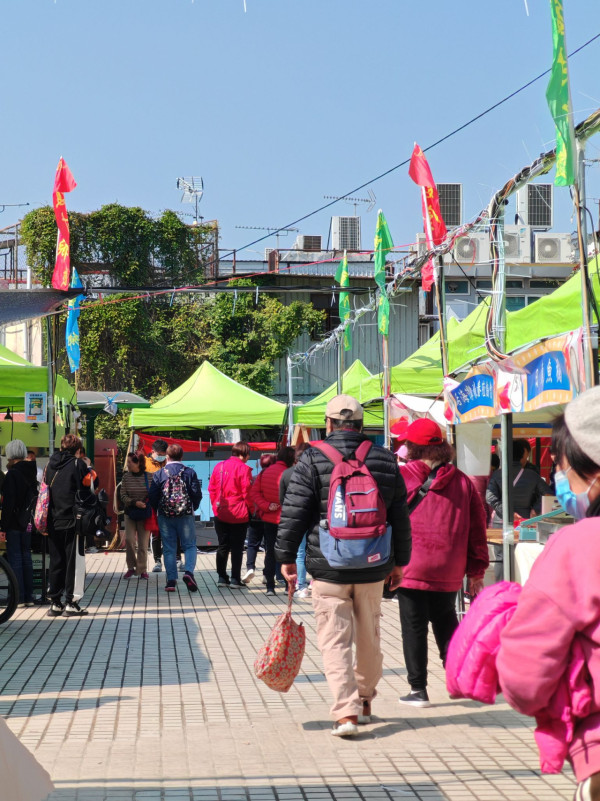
pixel 276 107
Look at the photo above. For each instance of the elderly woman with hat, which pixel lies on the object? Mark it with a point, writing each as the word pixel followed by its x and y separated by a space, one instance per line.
pixel 448 523
pixel 556 626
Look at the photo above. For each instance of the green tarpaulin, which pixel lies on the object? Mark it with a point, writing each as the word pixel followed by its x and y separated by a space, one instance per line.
pixel 209 399
pixel 312 414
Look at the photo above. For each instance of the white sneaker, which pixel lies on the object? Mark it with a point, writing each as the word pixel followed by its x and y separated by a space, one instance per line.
pixel 180 566
pixel 248 576
pixel 157 566
pixel 303 593
pixel 347 729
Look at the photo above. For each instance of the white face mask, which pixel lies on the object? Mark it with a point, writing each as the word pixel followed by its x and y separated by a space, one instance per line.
pixel 159 457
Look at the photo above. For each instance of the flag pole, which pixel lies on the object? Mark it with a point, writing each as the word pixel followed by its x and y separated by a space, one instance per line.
pixel 290 401
pixel 386 390
pixel 340 363
pixel 579 200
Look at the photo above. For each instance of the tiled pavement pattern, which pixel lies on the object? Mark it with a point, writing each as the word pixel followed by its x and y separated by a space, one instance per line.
pixel 153 697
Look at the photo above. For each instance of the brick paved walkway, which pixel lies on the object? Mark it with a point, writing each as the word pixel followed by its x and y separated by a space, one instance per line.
pixel 153 697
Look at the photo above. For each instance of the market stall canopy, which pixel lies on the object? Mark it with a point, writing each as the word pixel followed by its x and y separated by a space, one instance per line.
pixel 312 414
pixel 17 305
pixel 88 399
pixel 209 399
pixel 420 374
pixel 18 376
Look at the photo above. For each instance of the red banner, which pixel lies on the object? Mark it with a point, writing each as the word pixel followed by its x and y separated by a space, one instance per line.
pixel 200 446
pixel 63 182
pixel 435 228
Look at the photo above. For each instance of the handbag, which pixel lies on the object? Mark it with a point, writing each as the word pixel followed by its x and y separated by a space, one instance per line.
pixel 42 506
pixel 278 661
pixel 135 513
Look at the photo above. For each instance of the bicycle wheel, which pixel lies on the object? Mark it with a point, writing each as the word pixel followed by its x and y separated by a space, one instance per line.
pixel 9 591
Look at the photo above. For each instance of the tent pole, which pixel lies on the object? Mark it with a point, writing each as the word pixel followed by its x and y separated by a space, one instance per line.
pixel 50 359
pixel 440 299
pixel 340 365
pixel 579 199
pixel 290 401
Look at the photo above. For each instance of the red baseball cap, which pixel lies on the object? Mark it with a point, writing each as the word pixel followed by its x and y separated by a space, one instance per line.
pixel 398 430
pixel 424 432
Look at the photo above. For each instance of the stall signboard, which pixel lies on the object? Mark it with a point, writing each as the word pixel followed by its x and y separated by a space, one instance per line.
pixel 36 407
pixel 546 374
pixel 473 398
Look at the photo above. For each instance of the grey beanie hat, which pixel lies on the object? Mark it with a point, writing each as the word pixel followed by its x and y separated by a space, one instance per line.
pixel 582 417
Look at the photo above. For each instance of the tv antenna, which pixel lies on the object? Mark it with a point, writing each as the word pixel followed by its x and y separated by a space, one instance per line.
pixel 280 231
pixel 193 189
pixel 371 200
pixel 4 206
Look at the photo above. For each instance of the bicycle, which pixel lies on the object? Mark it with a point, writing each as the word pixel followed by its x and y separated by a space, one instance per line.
pixel 9 591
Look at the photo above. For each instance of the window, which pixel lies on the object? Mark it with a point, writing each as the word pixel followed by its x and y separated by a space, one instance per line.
pixel 545 284
pixel 512 283
pixel 331 307
pixel 484 283
pixel 515 302
pixel 457 287
pixel 531 299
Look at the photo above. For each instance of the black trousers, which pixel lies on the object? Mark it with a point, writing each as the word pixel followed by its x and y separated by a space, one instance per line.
pixel 418 608
pixel 231 538
pixel 270 534
pixel 156 544
pixel 255 538
pixel 62 547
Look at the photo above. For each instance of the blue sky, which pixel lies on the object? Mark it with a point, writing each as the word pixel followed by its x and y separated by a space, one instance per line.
pixel 276 107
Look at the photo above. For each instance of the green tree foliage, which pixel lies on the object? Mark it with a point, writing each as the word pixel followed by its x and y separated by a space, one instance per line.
pixel 151 347
pixel 133 247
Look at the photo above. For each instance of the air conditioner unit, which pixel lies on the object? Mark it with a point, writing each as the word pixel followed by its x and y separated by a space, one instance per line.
pixel 345 233
pixel 472 249
pixel 535 206
pixel 517 243
pixel 421 246
pixel 553 248
pixel 308 243
pixel 267 251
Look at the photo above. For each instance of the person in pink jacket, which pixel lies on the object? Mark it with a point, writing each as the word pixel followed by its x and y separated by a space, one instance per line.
pixel 559 608
pixel 264 495
pixel 229 488
pixel 448 541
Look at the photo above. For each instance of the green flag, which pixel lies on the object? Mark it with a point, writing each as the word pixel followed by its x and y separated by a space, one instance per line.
pixel 343 280
pixel 383 245
pixel 557 95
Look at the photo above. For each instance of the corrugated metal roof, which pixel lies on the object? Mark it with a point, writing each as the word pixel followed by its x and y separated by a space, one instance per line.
pixel 25 304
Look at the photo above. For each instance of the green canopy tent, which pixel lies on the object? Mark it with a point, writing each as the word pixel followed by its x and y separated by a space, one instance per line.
pixel 19 376
pixel 312 414
pixel 209 399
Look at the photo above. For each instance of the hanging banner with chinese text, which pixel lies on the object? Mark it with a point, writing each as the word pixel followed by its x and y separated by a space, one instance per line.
pixel 63 182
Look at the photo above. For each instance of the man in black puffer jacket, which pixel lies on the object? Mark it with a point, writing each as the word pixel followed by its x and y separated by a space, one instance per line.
pixel 347 602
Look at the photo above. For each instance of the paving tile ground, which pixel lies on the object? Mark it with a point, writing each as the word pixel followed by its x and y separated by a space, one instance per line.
pixel 153 698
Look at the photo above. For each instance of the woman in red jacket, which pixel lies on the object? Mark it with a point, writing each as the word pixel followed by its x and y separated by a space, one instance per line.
pixel 228 487
pixel 264 495
pixel 448 541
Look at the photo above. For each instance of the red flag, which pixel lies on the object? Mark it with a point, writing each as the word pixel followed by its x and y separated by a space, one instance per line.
pixel 435 228
pixel 63 182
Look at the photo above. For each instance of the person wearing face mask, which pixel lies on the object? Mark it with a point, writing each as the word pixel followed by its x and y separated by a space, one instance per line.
pixel 557 619
pixel 157 460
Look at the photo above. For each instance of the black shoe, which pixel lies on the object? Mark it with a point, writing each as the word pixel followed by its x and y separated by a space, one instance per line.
pixel 223 581
pixel 190 582
pixel 74 610
pixel 234 584
pixel 417 698
pixel 170 586
pixel 271 592
pixel 56 609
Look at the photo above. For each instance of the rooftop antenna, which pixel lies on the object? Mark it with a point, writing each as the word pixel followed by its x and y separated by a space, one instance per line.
pixel 280 231
pixel 371 200
pixel 4 206
pixel 193 189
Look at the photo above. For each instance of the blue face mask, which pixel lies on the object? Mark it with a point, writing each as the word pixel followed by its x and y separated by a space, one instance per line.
pixel 575 505
pixel 159 457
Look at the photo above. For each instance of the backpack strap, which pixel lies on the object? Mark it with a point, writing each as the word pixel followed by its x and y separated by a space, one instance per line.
pixel 330 452
pixel 423 490
pixel 362 450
